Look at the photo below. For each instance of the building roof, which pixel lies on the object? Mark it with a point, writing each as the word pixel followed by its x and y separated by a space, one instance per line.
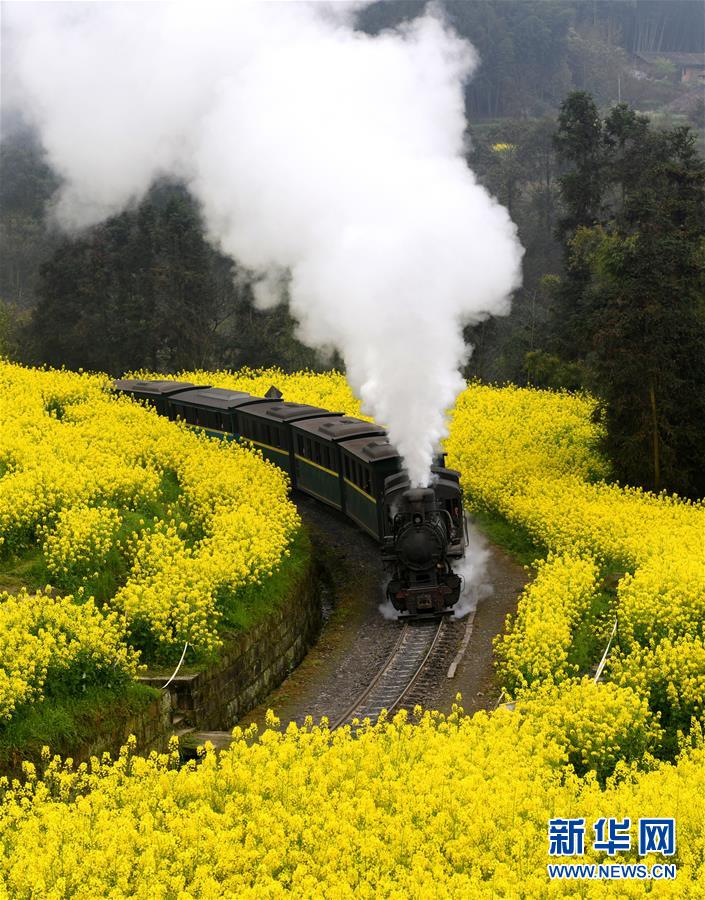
pixel 339 428
pixel 679 59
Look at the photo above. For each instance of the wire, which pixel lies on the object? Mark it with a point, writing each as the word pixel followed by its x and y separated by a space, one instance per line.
pixel 176 670
pixel 607 649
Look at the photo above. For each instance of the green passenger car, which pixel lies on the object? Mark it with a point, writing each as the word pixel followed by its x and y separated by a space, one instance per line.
pixel 211 409
pixel 154 393
pixel 317 454
pixel 268 426
pixel 366 462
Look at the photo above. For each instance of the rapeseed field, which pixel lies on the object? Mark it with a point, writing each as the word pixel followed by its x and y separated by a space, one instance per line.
pixel 421 806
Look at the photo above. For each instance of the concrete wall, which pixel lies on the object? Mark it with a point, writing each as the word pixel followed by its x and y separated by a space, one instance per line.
pixel 109 730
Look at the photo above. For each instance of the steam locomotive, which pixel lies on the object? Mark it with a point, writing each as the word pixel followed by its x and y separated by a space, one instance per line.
pixel 348 464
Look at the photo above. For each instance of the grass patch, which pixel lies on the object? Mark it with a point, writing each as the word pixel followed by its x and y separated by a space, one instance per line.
pixel 516 540
pixel 248 606
pixel 66 723
pixel 26 569
pixel 592 633
pixel 170 504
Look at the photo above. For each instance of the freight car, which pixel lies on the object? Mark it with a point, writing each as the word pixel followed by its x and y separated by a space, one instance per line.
pixel 348 464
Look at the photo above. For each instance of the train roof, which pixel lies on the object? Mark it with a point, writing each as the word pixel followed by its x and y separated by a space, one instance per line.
pixel 441 477
pixel 446 473
pixel 287 411
pixel 339 428
pixel 157 388
pixel 371 449
pixel 216 398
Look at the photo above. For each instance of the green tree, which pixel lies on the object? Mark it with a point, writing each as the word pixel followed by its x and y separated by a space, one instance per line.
pixel 516 162
pixel 581 155
pixel 579 143
pixel 131 292
pixel 545 370
pixel 146 289
pixel 26 240
pixel 641 308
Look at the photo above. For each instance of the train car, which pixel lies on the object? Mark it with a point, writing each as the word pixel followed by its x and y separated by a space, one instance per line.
pixel 318 449
pixel 213 409
pixel 154 393
pixel 366 464
pixel 269 425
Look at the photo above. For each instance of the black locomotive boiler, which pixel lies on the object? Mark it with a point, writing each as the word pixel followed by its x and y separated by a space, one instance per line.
pixel 348 464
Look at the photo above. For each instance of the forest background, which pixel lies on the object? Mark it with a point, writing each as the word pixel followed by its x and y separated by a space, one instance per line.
pixel 586 120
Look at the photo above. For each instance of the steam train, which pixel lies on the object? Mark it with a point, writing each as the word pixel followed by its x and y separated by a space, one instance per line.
pixel 348 464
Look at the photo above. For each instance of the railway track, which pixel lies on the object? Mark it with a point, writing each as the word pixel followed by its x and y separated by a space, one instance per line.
pixel 397 677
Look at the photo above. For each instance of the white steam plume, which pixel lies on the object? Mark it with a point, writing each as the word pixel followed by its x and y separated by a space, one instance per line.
pixel 314 150
pixel 473 570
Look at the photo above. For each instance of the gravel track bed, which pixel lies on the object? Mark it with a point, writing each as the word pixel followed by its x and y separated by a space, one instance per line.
pixel 356 640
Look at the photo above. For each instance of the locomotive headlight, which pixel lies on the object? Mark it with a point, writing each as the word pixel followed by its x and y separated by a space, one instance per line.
pixel 417 518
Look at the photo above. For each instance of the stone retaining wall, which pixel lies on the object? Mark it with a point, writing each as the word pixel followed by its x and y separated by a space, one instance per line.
pixel 151 727
pixel 250 664
pixel 109 729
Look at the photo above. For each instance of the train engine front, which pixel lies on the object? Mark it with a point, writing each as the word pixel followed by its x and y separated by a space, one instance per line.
pixel 425 535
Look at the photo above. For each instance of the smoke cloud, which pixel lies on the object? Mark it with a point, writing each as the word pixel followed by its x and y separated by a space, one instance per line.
pixel 326 160
pixel 473 569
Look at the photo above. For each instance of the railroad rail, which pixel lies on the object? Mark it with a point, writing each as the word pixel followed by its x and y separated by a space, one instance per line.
pixel 399 674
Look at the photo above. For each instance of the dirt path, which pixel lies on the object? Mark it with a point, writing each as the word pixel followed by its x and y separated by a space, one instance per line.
pixel 356 639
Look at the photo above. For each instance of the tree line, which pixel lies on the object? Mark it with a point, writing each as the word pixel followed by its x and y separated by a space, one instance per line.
pixel 610 210
pixel 534 52
pixel 142 289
